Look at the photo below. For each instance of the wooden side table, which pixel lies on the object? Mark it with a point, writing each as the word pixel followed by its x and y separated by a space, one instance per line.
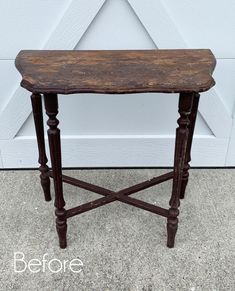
pixel 186 72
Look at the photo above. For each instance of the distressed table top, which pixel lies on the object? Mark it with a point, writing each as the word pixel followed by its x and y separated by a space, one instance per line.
pixel 67 72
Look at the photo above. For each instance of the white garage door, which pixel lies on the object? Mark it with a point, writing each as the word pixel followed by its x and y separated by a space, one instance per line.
pixel 114 130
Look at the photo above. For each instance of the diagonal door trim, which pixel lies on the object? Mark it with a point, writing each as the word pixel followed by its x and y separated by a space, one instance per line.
pixel 67 33
pixel 157 21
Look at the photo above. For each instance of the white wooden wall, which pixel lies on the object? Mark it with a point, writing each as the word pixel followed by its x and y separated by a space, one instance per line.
pixel 126 130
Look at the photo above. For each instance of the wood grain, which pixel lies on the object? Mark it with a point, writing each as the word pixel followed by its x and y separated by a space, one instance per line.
pixel 66 72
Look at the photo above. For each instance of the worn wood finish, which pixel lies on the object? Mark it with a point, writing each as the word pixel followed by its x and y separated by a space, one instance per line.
pixel 182 134
pixel 65 72
pixel 38 121
pixel 121 195
pixel 192 118
pixel 111 196
pixel 51 105
pixel 51 72
pixel 101 190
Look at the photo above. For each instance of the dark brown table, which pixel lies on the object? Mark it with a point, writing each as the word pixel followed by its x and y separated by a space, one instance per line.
pixel 187 72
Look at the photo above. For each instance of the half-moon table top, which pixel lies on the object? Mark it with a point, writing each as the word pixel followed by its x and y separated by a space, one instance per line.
pixel 116 72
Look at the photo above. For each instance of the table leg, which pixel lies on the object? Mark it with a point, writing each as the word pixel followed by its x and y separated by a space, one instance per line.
pixel 192 118
pixel 38 121
pixel 51 105
pixel 182 135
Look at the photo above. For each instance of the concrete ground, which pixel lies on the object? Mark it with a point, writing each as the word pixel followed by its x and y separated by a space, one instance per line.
pixel 121 247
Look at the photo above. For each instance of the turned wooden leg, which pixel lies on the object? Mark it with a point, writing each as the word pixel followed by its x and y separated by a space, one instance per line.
pixel 192 118
pixel 51 105
pixel 38 121
pixel 182 134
